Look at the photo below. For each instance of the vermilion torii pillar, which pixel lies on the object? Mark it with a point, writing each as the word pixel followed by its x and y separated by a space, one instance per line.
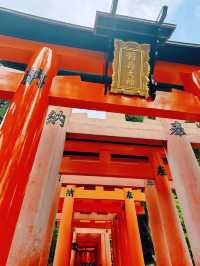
pixel 135 246
pixel 156 225
pixel 186 176
pixel 123 238
pixel 178 250
pixel 64 241
pixel 33 233
pixel 19 137
pixel 116 244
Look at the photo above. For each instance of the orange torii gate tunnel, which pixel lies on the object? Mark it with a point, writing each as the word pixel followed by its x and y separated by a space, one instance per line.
pixel 97 224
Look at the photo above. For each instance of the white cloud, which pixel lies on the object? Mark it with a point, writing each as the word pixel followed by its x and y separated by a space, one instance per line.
pixel 80 12
pixel 147 9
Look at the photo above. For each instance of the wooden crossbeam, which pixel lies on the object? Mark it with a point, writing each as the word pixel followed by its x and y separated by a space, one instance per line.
pixel 100 194
pixel 72 92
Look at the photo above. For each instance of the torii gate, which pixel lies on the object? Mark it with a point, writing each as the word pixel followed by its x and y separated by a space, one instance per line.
pixel 32 91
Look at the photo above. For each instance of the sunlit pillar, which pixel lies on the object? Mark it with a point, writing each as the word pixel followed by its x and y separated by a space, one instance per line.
pixel 135 246
pixel 186 177
pixel 175 237
pixel 19 137
pixel 33 232
pixel 108 249
pixel 103 250
pixel 64 241
pixel 156 225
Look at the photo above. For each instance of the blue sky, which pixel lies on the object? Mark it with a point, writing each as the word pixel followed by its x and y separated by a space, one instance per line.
pixel 184 13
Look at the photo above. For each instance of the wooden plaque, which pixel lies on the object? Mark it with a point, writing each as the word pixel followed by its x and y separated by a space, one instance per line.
pixel 131 68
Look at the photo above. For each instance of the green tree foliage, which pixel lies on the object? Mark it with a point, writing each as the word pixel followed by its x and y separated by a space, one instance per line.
pixel 134 118
pixel 53 245
pixel 180 214
pixel 3 108
pixel 197 154
pixel 137 118
pixel 145 234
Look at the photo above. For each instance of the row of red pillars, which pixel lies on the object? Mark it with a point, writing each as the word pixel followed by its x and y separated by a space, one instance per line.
pixel 19 137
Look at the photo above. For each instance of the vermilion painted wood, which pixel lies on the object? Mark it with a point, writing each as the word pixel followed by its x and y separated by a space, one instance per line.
pixel 19 137
pixel 104 165
pixel 19 50
pixel 157 227
pixel 124 248
pixel 116 241
pixel 186 174
pixel 63 245
pixel 116 148
pixel 178 250
pixel 114 247
pixel 111 206
pixel 128 170
pixel 72 92
pixel 134 241
pixel 92 224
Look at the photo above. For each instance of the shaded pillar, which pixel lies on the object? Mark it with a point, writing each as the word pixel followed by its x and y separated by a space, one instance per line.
pixel 114 248
pixel 32 237
pixel 156 224
pixel 124 247
pixel 116 243
pixel 19 137
pixel 64 241
pixel 135 246
pixel 175 237
pixel 186 176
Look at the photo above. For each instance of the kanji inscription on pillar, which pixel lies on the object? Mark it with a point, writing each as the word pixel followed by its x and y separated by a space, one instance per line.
pixel 177 129
pixel 129 195
pixel 34 74
pixel 56 117
pixel 131 68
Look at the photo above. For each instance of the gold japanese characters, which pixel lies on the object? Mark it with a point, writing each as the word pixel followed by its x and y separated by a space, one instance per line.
pixel 131 68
